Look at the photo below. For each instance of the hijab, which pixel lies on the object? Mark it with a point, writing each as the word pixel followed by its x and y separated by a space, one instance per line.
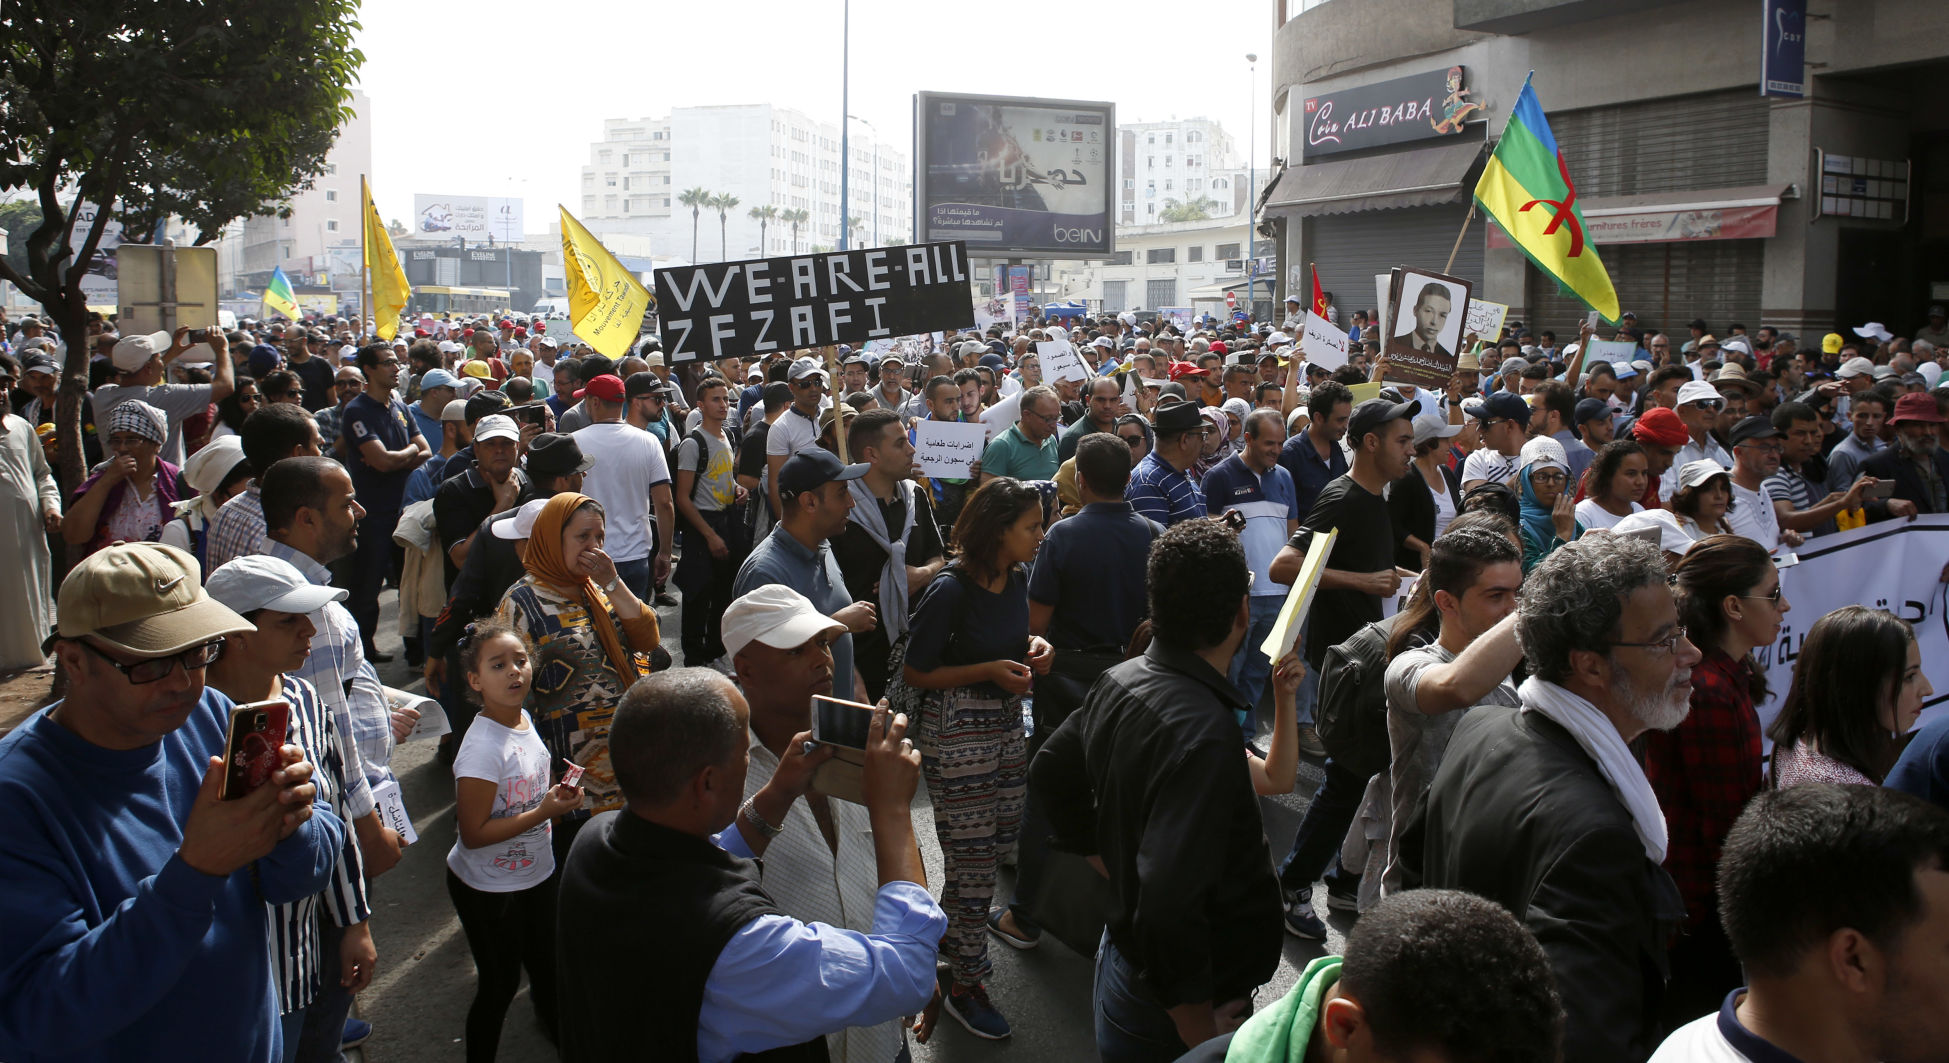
pixel 1538 523
pixel 544 561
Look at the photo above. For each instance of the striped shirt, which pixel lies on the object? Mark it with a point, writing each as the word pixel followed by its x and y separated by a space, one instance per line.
pixel 1797 491
pixel 293 928
pixel 1162 493
pixel 237 530
pixel 346 681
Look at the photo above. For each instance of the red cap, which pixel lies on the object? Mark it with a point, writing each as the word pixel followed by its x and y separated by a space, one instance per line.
pixel 608 387
pixel 1662 427
pixel 520 333
pixel 1218 347
pixel 1180 370
pixel 507 323
pixel 420 333
pixel 1918 407
pixel 466 332
pixel 541 326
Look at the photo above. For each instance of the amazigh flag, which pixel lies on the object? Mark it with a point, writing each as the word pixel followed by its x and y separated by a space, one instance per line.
pixel 1526 188
pixel 1319 295
pixel 279 298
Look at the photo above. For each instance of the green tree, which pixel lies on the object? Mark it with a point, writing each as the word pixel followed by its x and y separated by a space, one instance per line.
pixel 696 199
pixel 722 204
pixel 795 217
pixel 764 216
pixel 205 110
pixel 855 231
pixel 1198 209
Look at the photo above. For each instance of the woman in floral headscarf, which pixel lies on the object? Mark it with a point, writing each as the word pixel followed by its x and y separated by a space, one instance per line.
pixel 132 495
pixel 592 639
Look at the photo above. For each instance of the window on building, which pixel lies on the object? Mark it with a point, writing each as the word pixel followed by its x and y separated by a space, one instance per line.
pixel 1193 137
pixel 1150 209
pixel 610 181
pixel 1120 258
pixel 1158 255
pixel 1115 296
pixel 331 195
pixel 1167 138
pixel 331 168
pixel 1168 160
pixel 1195 253
pixel 1167 185
pixel 331 225
pixel 1151 139
pixel 1161 292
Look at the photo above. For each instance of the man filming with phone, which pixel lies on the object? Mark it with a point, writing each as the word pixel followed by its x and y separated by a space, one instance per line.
pixel 132 915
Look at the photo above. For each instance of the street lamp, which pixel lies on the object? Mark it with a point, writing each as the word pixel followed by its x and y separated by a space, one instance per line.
pixel 845 104
pixel 876 174
pixel 1251 194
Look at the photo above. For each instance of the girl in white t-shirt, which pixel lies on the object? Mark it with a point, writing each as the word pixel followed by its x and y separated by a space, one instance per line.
pixel 500 872
pixel 1612 485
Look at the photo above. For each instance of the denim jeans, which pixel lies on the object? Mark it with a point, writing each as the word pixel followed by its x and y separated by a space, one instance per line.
pixel 636 576
pixel 1317 842
pixel 1131 1026
pixel 1249 665
pixel 324 1019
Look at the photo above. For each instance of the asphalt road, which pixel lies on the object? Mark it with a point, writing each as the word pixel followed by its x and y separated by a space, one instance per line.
pixel 418 1000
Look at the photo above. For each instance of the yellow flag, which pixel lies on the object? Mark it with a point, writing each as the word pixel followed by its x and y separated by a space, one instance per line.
pixel 389 288
pixel 606 302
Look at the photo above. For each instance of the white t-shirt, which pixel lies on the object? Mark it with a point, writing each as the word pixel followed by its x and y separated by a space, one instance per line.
pixel 629 461
pixel 1699 1041
pixel 791 433
pixel 517 762
pixel 1596 518
pixel 1752 515
pixel 1486 463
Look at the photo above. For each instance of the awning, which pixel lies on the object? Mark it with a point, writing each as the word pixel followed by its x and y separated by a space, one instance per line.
pixel 1745 213
pixel 1422 177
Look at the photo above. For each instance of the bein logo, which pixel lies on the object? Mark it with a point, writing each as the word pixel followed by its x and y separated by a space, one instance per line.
pixel 1079 236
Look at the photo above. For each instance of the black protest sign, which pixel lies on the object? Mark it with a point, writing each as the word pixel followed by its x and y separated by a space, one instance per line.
pixel 726 309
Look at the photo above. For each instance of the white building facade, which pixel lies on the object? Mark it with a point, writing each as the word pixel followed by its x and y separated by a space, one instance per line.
pixel 323 225
pixel 1181 161
pixel 761 154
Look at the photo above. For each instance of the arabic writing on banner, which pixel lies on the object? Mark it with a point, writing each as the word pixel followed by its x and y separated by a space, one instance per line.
pixel 1485 320
pixel 1323 343
pixel 949 449
pixel 1060 361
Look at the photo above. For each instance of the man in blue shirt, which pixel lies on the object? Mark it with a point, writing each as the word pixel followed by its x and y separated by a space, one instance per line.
pixel 672 874
pixel 1313 457
pixel 1252 484
pixel 132 896
pixel 383 446
pixel 1159 487
pixel 812 488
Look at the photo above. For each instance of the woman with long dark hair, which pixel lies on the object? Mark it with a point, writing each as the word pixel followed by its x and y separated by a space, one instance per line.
pixel 1857 689
pixel 1613 484
pixel 970 654
pixel 236 406
pixel 1706 769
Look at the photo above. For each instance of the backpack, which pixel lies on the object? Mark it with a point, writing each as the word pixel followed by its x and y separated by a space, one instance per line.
pixel 1351 713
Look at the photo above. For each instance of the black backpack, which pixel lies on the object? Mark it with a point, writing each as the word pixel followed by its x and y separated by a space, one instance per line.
pixel 1351 713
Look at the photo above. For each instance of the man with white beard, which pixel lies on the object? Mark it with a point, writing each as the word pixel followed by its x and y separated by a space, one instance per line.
pixel 1543 809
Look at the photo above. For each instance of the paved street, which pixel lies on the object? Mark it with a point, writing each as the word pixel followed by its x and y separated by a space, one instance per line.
pixel 418 1002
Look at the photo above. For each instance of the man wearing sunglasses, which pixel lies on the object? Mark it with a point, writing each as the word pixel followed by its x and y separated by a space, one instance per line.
pixel 1698 406
pixel 132 895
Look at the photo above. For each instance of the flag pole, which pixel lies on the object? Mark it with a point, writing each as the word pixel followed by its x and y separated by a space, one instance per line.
pixel 1453 251
pixel 365 256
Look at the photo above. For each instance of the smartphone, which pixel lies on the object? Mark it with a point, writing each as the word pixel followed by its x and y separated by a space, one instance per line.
pixel 251 751
pixel 533 413
pixel 840 723
pixel 1880 490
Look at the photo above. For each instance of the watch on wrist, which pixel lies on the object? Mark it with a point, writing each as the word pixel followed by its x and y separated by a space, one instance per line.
pixel 750 813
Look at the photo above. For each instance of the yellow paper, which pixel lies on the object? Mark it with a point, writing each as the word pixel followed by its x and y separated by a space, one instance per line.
pixel 1292 615
pixel 389 288
pixel 606 302
pixel 1362 392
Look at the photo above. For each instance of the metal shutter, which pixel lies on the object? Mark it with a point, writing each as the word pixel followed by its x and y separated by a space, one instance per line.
pixel 1718 280
pixel 1715 140
pixel 1114 298
pixel 1160 293
pixel 1351 248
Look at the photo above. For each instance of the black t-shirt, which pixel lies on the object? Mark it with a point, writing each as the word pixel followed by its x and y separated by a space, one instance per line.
pixel 1366 544
pixel 861 559
pixel 317 374
pixel 751 450
pixel 955 621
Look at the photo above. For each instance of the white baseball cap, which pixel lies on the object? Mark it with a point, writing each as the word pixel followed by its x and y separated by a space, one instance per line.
pixel 521 523
pixel 454 410
pixel 1854 367
pixel 1694 473
pixel 133 352
pixel 805 367
pixel 1698 391
pixel 260 581
pixel 775 615
pixel 1277 338
pixel 495 426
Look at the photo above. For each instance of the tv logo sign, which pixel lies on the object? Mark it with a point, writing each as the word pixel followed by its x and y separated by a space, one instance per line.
pixel 1078 236
pixel 1783 59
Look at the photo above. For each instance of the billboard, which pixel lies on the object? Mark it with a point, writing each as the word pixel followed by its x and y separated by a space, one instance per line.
pixel 1015 177
pixel 1397 111
pixel 474 217
pixel 98 286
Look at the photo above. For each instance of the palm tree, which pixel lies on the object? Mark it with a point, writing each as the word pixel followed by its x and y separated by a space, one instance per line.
pixel 1198 209
pixel 696 199
pixel 764 216
pixel 722 204
pixel 855 231
pixel 795 217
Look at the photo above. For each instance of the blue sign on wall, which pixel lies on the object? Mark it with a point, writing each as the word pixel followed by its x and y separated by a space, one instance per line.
pixel 1783 54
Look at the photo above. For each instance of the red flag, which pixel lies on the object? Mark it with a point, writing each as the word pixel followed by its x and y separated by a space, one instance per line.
pixel 1319 296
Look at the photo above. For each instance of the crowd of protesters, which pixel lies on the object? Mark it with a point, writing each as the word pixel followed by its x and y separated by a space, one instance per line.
pixel 1547 805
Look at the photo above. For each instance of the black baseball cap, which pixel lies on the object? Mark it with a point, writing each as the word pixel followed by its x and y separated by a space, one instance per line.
pixel 484 403
pixel 646 383
pixel 1590 410
pixel 1751 428
pixel 1370 415
pixel 811 469
pixel 1499 404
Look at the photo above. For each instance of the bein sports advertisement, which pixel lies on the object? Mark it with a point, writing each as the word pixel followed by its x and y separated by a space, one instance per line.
pixel 1015 177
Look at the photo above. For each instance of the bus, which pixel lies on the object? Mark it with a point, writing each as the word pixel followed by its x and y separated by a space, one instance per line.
pixel 440 299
